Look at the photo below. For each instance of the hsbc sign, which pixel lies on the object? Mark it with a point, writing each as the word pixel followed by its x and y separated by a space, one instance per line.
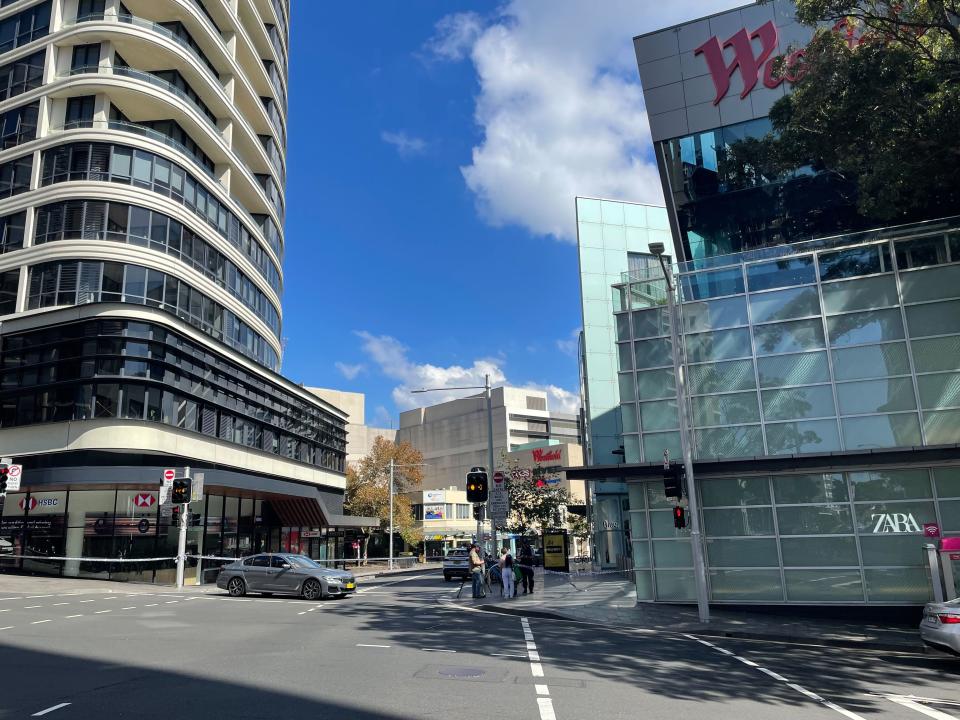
pixel 33 503
pixel 144 500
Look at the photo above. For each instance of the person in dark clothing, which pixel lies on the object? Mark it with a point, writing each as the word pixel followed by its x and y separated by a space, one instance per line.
pixel 525 558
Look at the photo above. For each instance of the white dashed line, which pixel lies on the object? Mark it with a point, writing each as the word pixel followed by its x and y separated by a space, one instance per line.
pixel 437 650
pixel 83 601
pixel 56 604
pixel 507 655
pixel 912 704
pixel 151 604
pixel 32 607
pixel 170 602
pixel 374 646
pixel 302 613
pixel 542 689
pixel 128 608
pixel 8 627
pixel 33 597
pixel 545 706
pixel 38 622
pixel 6 610
pixel 50 709
pixel 101 612
pixel 68 617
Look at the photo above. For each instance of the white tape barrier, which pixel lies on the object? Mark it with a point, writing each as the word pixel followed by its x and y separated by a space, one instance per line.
pixel 234 559
pixel 85 559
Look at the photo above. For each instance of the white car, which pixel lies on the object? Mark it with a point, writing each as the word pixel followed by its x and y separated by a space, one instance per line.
pixel 457 564
pixel 940 627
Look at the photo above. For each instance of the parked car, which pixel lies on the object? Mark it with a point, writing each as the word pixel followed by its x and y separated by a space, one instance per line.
pixel 284 574
pixel 940 627
pixel 456 564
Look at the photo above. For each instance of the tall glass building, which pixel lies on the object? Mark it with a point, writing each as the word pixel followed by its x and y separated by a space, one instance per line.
pixel 141 204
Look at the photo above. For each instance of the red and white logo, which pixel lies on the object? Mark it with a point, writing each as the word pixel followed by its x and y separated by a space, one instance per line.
pixel 169 474
pixel 541 455
pixel 144 500
pixel 498 477
pixel 27 504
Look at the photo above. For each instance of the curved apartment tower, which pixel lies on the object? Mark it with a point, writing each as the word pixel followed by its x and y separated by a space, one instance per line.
pixel 142 169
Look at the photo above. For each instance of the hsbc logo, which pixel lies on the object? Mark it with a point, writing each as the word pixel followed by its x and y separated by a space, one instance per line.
pixel 34 503
pixel 144 500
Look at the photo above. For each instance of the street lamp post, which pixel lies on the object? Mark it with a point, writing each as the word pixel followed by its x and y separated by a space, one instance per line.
pixel 696 538
pixel 489 398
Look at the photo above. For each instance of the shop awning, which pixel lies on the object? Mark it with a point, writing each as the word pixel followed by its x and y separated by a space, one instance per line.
pixel 294 511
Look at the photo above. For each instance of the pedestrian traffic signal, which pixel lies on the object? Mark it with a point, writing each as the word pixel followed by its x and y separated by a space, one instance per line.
pixel 673 478
pixel 4 470
pixel 478 511
pixel 476 487
pixel 679 518
pixel 181 491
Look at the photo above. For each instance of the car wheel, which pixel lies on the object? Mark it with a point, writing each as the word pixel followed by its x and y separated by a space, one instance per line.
pixel 312 589
pixel 236 587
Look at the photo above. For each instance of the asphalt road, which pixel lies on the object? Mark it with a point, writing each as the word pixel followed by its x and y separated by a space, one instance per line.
pixel 401 649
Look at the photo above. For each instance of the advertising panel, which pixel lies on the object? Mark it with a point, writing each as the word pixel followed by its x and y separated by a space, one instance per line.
pixel 433 512
pixel 434 496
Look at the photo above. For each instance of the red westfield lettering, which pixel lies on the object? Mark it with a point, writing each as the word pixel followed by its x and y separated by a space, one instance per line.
pixel 746 62
pixel 541 455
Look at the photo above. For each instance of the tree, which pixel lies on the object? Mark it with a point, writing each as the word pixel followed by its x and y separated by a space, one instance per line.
pixel 368 488
pixel 532 506
pixel 874 112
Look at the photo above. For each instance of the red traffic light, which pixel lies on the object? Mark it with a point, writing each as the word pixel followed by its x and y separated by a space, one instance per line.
pixel 679 517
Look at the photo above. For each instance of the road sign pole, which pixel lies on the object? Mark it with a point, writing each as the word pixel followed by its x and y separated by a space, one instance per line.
pixel 490 470
pixel 182 542
pixel 390 563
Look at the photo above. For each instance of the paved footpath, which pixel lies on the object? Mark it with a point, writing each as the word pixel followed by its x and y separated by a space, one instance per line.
pixel 404 647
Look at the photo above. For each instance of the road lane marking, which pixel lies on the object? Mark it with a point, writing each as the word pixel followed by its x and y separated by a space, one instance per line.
pixel 437 650
pixel 128 608
pixel 545 706
pixel 68 617
pixel 6 610
pixel 101 612
pixel 32 597
pixel 537 669
pixel 376 646
pixel 50 709
pixel 32 607
pixel 8 627
pixel 799 688
pixel 151 604
pixel 912 704
pixel 38 622
pixel 88 601
pixel 542 689
pixel 56 604
pixel 110 597
pixel 302 613
pixel 507 655
pixel 170 602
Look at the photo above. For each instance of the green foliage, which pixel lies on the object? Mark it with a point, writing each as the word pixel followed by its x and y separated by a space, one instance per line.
pixel 533 508
pixel 878 106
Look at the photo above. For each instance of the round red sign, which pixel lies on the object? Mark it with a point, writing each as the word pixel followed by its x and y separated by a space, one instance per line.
pixel 169 474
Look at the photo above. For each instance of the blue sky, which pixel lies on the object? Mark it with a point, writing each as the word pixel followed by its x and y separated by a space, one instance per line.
pixel 435 149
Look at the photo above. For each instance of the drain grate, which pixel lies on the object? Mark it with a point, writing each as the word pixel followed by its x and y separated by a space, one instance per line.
pixel 461 673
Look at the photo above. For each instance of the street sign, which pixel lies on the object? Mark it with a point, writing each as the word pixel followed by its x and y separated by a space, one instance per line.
pixel 14 473
pixel 196 490
pixel 498 501
pixel 169 474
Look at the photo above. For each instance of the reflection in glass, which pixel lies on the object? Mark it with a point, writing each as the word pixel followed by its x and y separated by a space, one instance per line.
pixel 747 552
pixel 781 273
pixel 702 316
pixel 810 436
pixel 715 283
pixel 789 337
pixel 797 489
pixel 738 521
pixel 784 304
pixel 863 294
pixel 936 354
pixel 871 361
pixel 819 551
pixel 815 520
pixel 745 441
pixel 722 376
pixel 796 403
pixel 863 260
pixel 720 492
pixel 660 415
pixel 893 518
pixel 898 585
pixel 719 345
pixel 786 370
pixel 656 384
pixel 876 431
pixel 865 327
pixel 890 484
pixel 941 427
pixel 652 353
pixel 876 396
pixel 824 585
pixel 651 323
pixel 933 284
pixel 728 409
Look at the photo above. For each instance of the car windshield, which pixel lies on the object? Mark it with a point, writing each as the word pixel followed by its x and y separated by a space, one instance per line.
pixel 302 561
pixel 458 553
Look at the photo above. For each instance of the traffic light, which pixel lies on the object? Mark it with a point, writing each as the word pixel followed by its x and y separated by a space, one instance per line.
pixel 4 470
pixel 478 511
pixel 181 491
pixel 673 479
pixel 476 487
pixel 679 518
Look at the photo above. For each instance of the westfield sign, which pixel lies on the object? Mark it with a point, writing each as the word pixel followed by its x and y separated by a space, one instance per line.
pixel 541 455
pixel 749 64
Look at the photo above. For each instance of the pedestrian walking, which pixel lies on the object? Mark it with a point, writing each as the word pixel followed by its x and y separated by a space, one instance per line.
pixel 525 559
pixel 476 571
pixel 506 575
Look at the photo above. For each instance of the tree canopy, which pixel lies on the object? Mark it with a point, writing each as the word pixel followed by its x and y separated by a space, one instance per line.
pixel 877 102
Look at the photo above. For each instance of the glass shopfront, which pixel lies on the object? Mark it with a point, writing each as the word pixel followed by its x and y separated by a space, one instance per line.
pixel 124 525
pixel 853 537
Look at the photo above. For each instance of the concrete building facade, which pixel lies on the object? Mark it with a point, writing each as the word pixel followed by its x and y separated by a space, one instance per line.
pixel 360 436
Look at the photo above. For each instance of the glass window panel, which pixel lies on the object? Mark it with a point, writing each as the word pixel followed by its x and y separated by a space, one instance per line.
pixel 795 403
pixel 675 585
pixel 625 356
pixel 627 391
pixel 933 284
pixel 628 416
pixel 652 353
pixel 746 585
pixel 656 384
pixel 745 441
pixel 784 304
pixel 890 485
pixel 655 443
pixel 724 492
pixel 883 550
pixel 876 396
pixel 877 431
pixel 865 260
pixel 950 515
pixel 734 409
pixel 701 316
pixel 631 448
pixel 644 582
pixel 811 436
pixel 936 354
pixel 641 553
pixel 824 585
pixel 657 500
pixel 720 377
pixel 919 252
pixel 942 427
pixel 894 518
pixel 815 520
pixel 948 482
pixel 899 585
pixel 623 327
pixel 672 553
pixel 754 552
pixel 650 323
pixel 781 273
pixel 939 391
pixel 715 283
pixel 719 345
pixel 636 492
pixel 789 337
pixel 863 294
pixel 865 327
pixel 941 318
pixel 871 361
pixel 738 521
pixel 802 369
pixel 660 415
pixel 819 551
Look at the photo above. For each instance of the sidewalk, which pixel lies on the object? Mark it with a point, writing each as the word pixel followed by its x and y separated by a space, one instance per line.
pixel 611 601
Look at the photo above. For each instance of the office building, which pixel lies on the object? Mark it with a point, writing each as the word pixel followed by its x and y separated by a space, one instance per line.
pixel 360 436
pixel 142 173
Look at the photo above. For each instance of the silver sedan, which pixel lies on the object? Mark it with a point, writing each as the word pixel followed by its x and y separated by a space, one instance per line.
pixel 284 574
pixel 940 627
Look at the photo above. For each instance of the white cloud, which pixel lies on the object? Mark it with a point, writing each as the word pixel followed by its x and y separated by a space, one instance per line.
pixel 560 105
pixel 392 357
pixel 349 371
pixel 406 145
pixel 382 417
pixel 570 346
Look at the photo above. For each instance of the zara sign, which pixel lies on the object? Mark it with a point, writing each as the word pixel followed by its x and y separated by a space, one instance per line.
pixel 895 523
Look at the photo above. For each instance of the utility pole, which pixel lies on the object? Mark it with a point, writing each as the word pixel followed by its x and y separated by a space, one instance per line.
pixel 490 470
pixel 390 563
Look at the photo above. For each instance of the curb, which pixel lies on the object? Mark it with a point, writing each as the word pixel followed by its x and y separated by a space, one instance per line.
pixel 388 573
pixel 732 634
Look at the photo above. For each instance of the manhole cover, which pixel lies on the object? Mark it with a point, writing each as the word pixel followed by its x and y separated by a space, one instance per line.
pixel 461 672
